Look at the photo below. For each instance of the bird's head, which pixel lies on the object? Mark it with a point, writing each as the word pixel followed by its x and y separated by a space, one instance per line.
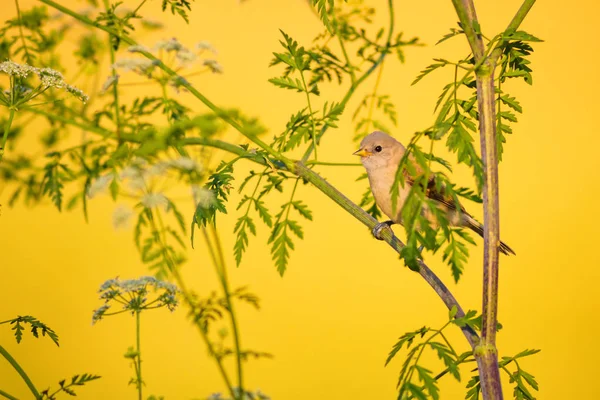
pixel 378 150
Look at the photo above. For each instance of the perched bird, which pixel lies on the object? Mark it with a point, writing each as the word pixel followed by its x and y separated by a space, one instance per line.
pixel 380 154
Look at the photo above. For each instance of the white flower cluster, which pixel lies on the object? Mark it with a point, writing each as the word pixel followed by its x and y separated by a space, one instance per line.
pixel 182 54
pixel 132 295
pixel 142 66
pixel 49 77
pixel 140 171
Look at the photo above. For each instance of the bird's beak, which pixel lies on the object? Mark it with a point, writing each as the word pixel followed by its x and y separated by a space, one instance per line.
pixel 362 152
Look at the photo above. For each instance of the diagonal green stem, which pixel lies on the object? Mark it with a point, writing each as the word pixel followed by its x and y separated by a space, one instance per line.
pixel 316 180
pixel 115 88
pixel 8 396
pixel 20 371
pixel 219 261
pixel 184 83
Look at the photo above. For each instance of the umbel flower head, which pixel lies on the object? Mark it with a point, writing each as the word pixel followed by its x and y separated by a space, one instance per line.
pixel 49 78
pixel 135 295
pixel 168 51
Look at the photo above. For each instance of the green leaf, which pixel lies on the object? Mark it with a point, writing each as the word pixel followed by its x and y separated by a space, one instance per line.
pixel 288 83
pixel 448 357
pixel 412 391
pixel 302 209
pixel 520 35
pixel 429 69
pixel 406 339
pixel 474 387
pixel 430 383
pixel 36 327
pixel 264 214
pixel 324 9
pixel 453 32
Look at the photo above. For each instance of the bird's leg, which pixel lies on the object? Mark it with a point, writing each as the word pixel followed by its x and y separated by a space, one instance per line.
pixel 382 225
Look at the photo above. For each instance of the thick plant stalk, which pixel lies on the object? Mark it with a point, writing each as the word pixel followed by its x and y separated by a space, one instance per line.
pixel 485 352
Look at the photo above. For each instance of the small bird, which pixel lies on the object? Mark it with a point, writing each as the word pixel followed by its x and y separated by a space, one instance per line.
pixel 380 154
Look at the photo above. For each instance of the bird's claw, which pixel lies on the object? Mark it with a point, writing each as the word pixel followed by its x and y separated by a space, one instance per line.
pixel 379 227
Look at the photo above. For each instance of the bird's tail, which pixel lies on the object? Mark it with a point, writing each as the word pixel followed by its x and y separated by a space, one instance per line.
pixel 478 228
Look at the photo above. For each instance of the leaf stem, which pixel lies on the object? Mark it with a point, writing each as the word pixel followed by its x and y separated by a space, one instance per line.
pixel 138 349
pixel 8 396
pixel 332 164
pixel 348 63
pixel 189 299
pixel 7 126
pixel 28 57
pixel 313 130
pixel 374 94
pixel 115 88
pixel 360 80
pixel 20 371
pixel 222 272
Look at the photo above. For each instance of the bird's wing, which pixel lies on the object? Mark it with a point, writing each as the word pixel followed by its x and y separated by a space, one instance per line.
pixel 439 195
pixel 432 191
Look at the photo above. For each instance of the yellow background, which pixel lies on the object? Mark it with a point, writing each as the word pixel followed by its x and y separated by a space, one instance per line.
pixel 345 299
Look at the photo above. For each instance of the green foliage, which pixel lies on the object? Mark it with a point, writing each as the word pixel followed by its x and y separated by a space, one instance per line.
pixel 284 227
pixel 417 381
pixel 123 149
pixel 178 7
pixel 324 8
pixel 36 327
pixel 523 381
pixel 67 387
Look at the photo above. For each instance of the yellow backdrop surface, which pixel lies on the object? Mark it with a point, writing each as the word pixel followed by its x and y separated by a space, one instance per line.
pixel 345 299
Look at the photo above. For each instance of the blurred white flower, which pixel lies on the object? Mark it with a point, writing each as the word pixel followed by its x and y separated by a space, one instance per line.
pixel 121 216
pixel 111 80
pixel 202 196
pixel 157 169
pixel 185 56
pixel 214 66
pixel 139 65
pixel 185 163
pixel 151 200
pixel 99 185
pixel 137 48
pixel 206 45
pixel 168 45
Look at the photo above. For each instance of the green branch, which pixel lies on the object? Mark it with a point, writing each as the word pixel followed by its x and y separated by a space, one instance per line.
pixel 219 262
pixel 8 396
pixel 316 180
pixel 485 352
pixel 115 88
pixel 280 161
pixel 366 219
pixel 184 83
pixel 20 371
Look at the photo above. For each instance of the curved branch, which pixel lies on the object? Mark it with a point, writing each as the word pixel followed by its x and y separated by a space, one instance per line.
pixel 309 175
pixel 430 277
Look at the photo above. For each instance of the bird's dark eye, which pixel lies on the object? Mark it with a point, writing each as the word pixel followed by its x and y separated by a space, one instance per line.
pixel 378 149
